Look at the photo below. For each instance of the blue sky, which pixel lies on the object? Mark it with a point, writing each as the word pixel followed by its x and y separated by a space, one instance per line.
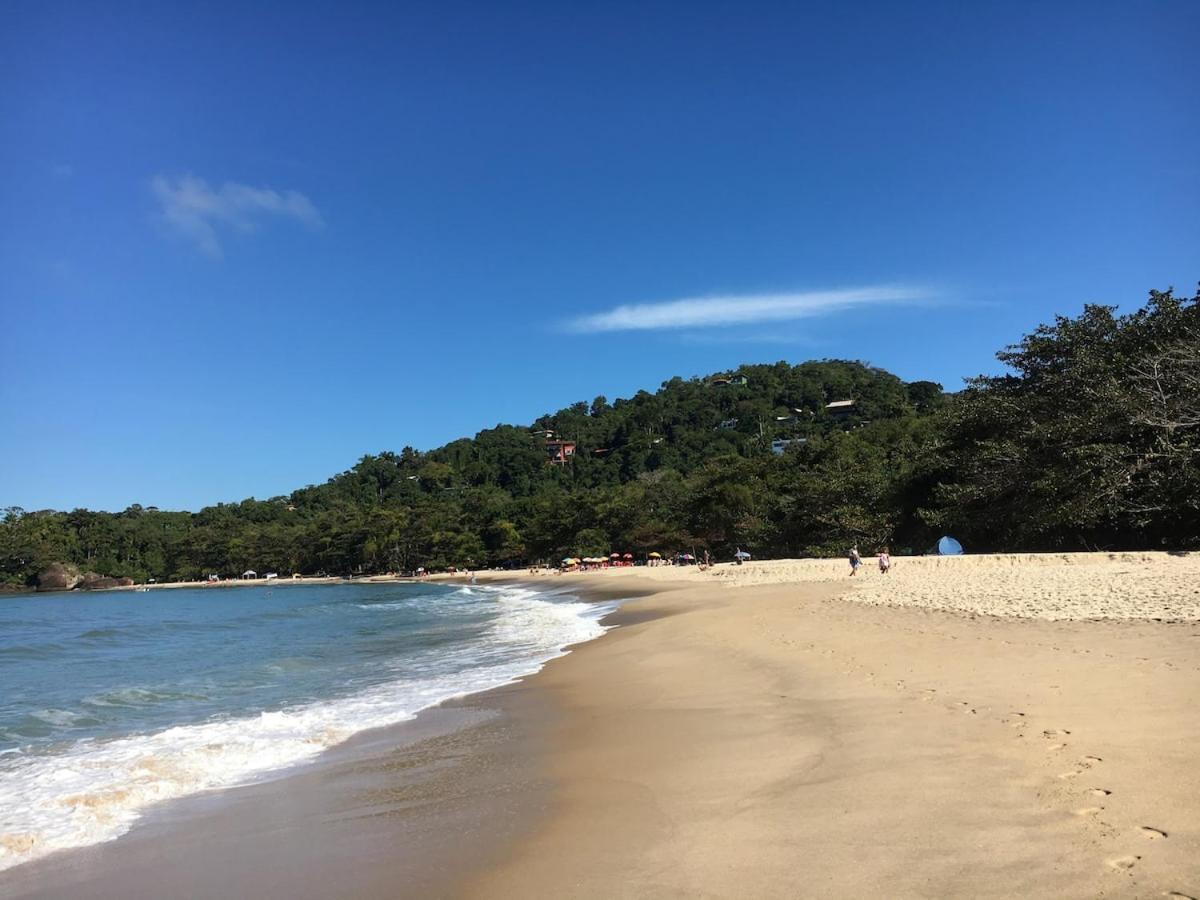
pixel 240 247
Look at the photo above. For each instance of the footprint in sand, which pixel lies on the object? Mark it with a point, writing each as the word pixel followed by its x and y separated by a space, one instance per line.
pixel 1099 792
pixel 1053 748
pixel 1175 895
pixel 1089 811
pixel 1124 862
pixel 1152 833
pixel 1055 732
pixel 1088 761
pixel 1066 775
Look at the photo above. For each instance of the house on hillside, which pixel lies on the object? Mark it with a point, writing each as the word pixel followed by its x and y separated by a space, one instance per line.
pixel 840 407
pixel 723 381
pixel 559 453
pixel 778 447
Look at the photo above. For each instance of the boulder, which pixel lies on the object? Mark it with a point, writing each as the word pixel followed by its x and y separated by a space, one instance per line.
pixel 93 582
pixel 124 581
pixel 58 577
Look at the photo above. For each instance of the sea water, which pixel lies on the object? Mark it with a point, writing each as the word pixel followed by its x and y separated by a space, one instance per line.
pixel 111 702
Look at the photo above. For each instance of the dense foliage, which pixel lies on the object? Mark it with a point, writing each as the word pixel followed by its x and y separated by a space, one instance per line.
pixel 1092 439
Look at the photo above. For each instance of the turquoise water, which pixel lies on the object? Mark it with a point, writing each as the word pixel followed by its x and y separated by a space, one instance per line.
pixel 110 702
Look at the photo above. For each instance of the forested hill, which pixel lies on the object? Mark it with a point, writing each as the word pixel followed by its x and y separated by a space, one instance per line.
pixel 1091 439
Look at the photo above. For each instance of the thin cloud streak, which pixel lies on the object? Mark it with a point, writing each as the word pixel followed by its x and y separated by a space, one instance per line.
pixel 725 337
pixel 743 309
pixel 193 209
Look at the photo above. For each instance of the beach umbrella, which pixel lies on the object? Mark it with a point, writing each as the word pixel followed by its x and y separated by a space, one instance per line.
pixel 686 556
pixel 742 554
pixel 629 556
pixel 614 556
pixel 655 555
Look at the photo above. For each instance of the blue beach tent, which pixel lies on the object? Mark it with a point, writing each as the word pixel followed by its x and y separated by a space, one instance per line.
pixel 948 546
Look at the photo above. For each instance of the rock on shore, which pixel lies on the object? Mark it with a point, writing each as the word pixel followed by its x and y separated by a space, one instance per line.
pixel 58 577
pixel 66 577
pixel 93 582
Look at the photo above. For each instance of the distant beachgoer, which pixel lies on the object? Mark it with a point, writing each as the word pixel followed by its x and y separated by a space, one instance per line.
pixel 855 561
pixel 885 561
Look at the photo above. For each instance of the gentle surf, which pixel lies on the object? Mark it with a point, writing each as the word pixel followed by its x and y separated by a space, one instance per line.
pixel 112 703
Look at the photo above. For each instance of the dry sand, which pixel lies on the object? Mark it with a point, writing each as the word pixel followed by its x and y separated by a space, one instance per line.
pixel 778 741
pixel 1054 586
pixel 1030 585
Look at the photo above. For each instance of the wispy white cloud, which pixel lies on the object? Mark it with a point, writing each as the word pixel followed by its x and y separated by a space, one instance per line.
pixel 742 309
pixel 197 211
pixel 724 337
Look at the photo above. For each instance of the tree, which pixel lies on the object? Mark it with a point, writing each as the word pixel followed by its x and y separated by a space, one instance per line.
pixel 1090 440
pixel 592 542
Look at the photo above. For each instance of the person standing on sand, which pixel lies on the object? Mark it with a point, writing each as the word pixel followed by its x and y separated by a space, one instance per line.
pixel 885 561
pixel 855 560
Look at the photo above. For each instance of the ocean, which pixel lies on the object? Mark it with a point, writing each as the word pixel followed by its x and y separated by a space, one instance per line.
pixel 111 702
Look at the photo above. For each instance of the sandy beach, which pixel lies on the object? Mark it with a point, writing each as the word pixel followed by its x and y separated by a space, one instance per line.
pixel 981 726
pixel 781 740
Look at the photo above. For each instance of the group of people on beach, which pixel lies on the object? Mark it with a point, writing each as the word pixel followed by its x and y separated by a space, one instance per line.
pixel 885 560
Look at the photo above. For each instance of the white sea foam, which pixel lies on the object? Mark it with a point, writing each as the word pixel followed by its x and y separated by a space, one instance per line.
pixel 94 791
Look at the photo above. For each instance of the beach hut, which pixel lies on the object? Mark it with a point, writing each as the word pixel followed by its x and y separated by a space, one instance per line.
pixel 249 573
pixel 742 554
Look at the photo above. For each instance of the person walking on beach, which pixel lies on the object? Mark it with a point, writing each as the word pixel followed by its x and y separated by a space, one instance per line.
pixel 885 561
pixel 855 561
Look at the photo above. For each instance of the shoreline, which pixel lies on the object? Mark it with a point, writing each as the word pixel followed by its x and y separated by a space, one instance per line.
pixel 768 740
pixel 1159 574
pixel 382 803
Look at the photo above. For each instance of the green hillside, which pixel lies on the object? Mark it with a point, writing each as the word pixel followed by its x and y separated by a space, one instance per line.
pixel 1089 440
